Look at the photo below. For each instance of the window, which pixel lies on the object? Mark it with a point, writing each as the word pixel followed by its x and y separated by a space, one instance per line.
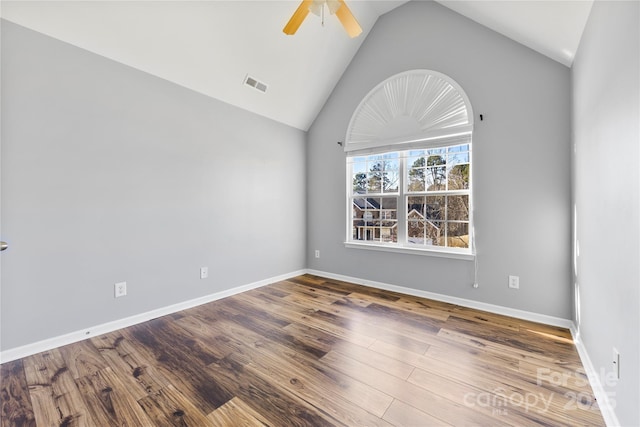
pixel 417 198
pixel 408 148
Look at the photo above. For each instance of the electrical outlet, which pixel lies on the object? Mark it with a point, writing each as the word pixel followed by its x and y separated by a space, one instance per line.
pixel 514 282
pixel 204 272
pixel 317 253
pixel 120 289
pixel 616 364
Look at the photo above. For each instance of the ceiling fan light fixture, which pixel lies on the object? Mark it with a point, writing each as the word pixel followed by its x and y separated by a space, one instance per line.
pixel 337 7
pixel 317 6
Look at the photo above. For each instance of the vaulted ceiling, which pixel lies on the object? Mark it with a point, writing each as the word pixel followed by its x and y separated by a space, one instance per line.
pixel 211 46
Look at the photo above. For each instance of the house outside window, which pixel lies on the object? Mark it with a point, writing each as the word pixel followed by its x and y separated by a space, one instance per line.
pixel 409 167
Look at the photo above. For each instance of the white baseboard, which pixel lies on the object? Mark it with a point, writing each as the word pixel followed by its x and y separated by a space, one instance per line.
pixel 51 343
pixel 605 405
pixel 497 309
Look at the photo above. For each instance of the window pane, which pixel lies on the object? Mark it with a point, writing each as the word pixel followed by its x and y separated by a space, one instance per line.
pixel 424 232
pixel 390 234
pixel 458 177
pixel 389 203
pixel 458 208
pixel 436 173
pixel 391 181
pixel 415 171
pixel 374 182
pixel 416 231
pixel 458 168
pixel 376 164
pixel 375 219
pixel 416 181
pixel 435 178
pixel 457 158
pixel 458 234
pixel 357 209
pixel 415 203
pixel 359 182
pixel 436 159
pixel 367 233
pixel 388 219
pixel 382 233
pixel 391 161
pixel 458 148
pixel 358 164
pixel 436 152
pixel 372 209
pixel 435 233
pixel 434 208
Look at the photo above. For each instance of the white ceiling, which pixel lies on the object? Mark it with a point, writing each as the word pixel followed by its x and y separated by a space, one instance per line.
pixel 210 46
pixel 551 27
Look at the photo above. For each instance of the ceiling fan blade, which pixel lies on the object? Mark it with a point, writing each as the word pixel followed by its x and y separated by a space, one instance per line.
pixel 296 19
pixel 348 21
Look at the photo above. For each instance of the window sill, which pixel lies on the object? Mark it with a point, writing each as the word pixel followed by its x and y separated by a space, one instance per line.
pixel 442 253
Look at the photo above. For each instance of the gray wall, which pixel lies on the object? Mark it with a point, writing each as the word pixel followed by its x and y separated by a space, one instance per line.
pixel 606 121
pixel 110 174
pixel 521 162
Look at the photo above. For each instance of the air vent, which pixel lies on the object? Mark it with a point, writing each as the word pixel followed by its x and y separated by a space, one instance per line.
pixel 256 84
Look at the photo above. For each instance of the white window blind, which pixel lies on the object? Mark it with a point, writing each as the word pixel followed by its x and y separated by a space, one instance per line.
pixel 417 108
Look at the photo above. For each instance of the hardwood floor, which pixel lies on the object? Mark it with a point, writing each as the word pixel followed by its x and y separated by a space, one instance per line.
pixel 308 352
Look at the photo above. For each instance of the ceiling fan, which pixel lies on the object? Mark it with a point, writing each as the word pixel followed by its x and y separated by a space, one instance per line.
pixel 337 7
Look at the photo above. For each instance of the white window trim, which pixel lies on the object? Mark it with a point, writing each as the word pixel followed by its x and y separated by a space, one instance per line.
pixel 402 246
pixel 398 248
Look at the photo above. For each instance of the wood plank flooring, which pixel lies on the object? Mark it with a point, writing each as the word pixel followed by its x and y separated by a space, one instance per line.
pixel 308 352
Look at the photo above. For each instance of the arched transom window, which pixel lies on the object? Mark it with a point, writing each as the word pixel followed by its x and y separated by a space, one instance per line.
pixel 409 162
